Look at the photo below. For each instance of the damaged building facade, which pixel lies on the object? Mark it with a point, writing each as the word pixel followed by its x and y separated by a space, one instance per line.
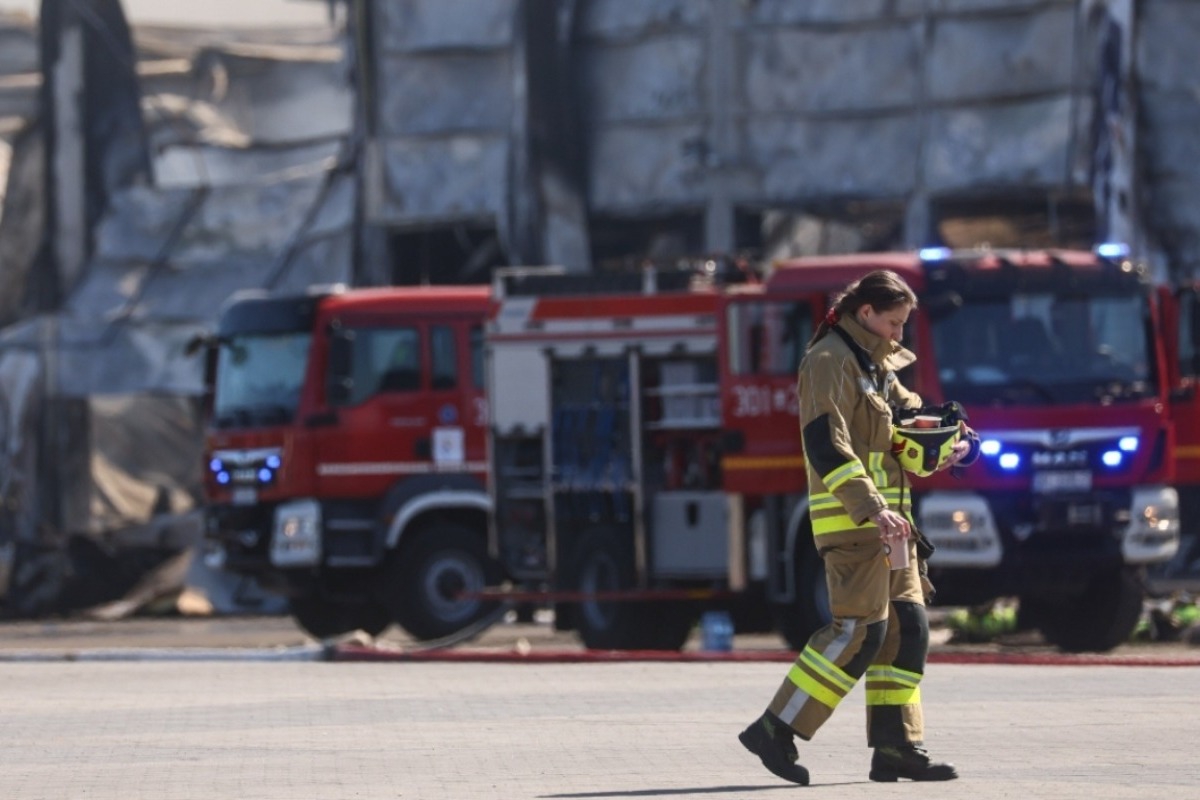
pixel 598 133
pixel 417 141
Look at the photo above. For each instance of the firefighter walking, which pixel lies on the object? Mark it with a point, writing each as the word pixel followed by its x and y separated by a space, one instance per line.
pixel 860 508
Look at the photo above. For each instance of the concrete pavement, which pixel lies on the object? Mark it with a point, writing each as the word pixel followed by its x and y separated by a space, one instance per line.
pixel 218 729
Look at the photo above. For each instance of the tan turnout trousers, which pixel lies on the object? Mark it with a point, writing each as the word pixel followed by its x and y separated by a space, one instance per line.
pixel 878 629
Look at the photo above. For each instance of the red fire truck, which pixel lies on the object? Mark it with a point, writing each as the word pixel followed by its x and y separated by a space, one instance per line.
pixel 1065 366
pixel 646 450
pixel 345 458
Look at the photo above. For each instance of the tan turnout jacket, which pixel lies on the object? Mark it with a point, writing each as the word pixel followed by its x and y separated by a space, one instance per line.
pixel 846 425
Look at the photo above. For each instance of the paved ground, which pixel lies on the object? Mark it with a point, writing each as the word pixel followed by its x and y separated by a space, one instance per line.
pixel 276 637
pixel 218 729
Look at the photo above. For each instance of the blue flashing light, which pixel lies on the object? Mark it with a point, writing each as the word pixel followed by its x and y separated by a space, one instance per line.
pixel 222 477
pixel 1111 458
pixel 273 462
pixel 265 475
pixel 990 447
pixel 215 465
pixel 1128 443
pixel 1010 461
pixel 1112 250
pixel 933 253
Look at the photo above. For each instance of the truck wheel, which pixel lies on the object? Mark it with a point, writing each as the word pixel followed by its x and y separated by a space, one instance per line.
pixel 604 563
pixel 810 611
pixel 322 618
pixel 1100 618
pixel 428 583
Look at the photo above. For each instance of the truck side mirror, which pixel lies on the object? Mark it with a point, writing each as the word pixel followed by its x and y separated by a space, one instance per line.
pixel 339 386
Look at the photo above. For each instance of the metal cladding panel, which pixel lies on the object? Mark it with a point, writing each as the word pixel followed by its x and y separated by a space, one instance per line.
pixel 414 100
pixel 635 167
pixel 415 25
pixel 620 19
pixel 832 12
pixel 988 57
pixel 1024 143
pixel 804 71
pixel 826 157
pixel 652 80
pixel 450 178
pixel 1170 114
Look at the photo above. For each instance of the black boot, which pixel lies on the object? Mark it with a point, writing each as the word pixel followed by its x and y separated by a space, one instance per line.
pixel 771 740
pixel 908 761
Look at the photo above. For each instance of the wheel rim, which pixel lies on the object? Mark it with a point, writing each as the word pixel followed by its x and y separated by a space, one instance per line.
pixel 447 579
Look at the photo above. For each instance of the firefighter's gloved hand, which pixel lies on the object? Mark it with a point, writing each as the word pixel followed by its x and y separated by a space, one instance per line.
pixel 958 453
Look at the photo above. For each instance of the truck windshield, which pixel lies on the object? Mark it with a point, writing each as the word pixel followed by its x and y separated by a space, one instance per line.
pixel 259 378
pixel 1045 349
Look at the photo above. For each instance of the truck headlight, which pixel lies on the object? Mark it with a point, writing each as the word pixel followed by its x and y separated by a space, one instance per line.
pixel 961 528
pixel 1153 530
pixel 296 534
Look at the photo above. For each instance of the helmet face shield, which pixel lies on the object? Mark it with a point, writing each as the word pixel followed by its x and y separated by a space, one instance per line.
pixel 922 450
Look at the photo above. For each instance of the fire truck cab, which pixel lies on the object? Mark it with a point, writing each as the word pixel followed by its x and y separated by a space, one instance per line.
pixel 345 455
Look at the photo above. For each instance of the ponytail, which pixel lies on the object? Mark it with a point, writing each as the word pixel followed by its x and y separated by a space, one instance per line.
pixel 882 289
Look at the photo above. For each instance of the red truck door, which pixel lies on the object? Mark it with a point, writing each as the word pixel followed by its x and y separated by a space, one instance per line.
pixel 411 405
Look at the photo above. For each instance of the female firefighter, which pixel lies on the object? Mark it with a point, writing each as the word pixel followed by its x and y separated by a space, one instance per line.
pixel 859 505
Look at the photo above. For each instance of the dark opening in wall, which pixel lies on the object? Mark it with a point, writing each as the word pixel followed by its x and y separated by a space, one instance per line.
pixel 625 243
pixel 846 227
pixel 1026 220
pixel 448 254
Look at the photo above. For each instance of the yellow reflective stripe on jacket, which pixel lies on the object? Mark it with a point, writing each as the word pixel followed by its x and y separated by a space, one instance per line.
pixel 823 501
pixel 835 523
pixel 820 678
pixel 851 469
pixel 891 686
pixel 878 473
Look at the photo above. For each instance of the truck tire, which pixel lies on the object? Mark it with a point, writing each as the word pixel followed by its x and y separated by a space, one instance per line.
pixel 322 618
pixel 604 563
pixel 1099 618
pixel 428 582
pixel 810 610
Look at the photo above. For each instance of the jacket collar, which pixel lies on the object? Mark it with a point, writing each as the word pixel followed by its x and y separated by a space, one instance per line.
pixel 890 355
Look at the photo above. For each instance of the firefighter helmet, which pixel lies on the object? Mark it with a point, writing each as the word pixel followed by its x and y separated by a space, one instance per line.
pixel 922 450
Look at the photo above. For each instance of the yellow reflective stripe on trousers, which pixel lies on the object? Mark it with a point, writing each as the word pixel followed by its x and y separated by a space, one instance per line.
pixel 834 479
pixel 891 686
pixel 811 664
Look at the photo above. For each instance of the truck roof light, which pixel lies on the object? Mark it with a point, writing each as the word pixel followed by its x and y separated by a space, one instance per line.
pixel 1112 250
pixel 933 253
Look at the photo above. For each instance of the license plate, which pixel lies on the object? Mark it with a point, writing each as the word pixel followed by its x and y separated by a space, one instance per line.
pixel 243 496
pixel 1062 481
